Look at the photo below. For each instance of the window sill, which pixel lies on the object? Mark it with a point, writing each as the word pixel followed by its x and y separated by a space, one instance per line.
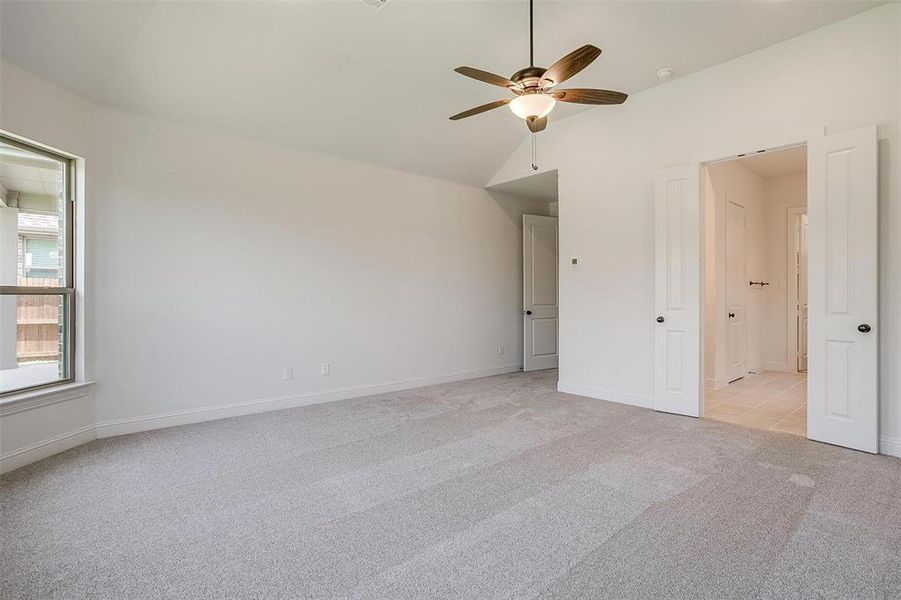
pixel 29 400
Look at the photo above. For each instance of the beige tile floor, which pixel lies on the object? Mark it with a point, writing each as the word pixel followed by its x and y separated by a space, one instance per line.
pixel 769 400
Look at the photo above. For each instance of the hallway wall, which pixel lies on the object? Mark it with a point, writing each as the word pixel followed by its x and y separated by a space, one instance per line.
pixel 781 194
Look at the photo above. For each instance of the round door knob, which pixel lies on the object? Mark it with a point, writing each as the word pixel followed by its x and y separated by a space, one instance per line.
pixel 731 315
pixel 528 312
pixel 863 328
pixel 660 319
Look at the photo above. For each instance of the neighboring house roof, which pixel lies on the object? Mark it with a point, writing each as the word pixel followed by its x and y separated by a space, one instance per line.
pixel 38 223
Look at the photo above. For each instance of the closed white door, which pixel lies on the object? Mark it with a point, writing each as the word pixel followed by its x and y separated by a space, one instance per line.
pixel 677 340
pixel 736 292
pixel 539 292
pixel 802 293
pixel 843 349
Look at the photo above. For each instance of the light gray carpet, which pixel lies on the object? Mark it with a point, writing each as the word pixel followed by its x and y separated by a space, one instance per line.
pixel 492 488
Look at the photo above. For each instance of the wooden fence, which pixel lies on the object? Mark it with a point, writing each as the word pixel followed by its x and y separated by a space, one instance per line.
pixel 37 318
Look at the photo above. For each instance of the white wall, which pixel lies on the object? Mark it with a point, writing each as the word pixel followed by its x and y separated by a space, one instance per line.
pixel 782 193
pixel 840 77
pixel 214 262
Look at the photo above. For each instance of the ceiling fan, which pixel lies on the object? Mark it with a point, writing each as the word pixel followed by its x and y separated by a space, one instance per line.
pixel 534 87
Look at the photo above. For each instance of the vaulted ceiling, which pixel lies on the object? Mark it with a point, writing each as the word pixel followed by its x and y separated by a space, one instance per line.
pixel 342 78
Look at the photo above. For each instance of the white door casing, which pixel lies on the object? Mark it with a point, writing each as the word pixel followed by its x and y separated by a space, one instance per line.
pixel 677 340
pixel 539 292
pixel 843 351
pixel 736 292
pixel 796 288
pixel 802 310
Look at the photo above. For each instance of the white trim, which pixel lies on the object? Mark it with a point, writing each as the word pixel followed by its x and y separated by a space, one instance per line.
pixel 717 383
pixel 890 446
pixel 778 366
pixel 43 397
pixel 235 409
pixel 792 223
pixel 40 450
pixel 753 146
pixel 610 396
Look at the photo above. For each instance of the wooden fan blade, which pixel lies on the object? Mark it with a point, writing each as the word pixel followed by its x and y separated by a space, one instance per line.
pixel 487 77
pixel 536 125
pixel 569 65
pixel 585 96
pixel 480 109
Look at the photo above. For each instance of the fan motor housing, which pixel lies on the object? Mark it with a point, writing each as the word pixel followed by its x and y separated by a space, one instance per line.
pixel 528 77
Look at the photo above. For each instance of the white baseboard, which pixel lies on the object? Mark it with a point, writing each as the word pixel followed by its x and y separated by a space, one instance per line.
pixel 719 384
pixel 777 366
pixel 581 390
pixel 40 450
pixel 236 409
pixel 890 446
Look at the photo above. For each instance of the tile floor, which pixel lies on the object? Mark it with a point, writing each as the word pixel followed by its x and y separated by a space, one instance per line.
pixel 770 400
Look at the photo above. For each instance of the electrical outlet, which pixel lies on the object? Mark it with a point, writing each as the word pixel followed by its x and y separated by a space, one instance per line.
pixel 288 373
pixel 324 369
pixel 500 350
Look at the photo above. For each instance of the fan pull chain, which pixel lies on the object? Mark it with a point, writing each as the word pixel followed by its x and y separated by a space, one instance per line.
pixel 534 151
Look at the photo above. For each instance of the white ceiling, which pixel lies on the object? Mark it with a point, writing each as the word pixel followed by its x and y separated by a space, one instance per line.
pixel 345 79
pixel 778 163
pixel 541 186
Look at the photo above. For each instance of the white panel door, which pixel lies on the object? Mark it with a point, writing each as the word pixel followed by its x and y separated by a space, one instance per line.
pixel 843 351
pixel 539 292
pixel 677 347
pixel 736 292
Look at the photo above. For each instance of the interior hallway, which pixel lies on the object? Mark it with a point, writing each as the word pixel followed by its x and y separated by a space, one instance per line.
pixel 772 400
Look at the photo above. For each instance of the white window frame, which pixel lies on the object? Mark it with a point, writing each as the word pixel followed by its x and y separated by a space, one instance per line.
pixel 67 291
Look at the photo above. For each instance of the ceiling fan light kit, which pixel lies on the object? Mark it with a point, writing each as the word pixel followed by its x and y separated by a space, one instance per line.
pixel 532 105
pixel 534 86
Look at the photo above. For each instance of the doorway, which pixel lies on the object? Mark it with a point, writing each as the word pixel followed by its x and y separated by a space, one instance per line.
pixel 755 210
pixel 533 202
pixel 841 266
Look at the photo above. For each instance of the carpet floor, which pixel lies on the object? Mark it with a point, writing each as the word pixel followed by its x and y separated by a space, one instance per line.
pixel 491 488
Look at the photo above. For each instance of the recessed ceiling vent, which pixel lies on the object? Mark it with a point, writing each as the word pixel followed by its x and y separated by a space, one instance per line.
pixel 376 3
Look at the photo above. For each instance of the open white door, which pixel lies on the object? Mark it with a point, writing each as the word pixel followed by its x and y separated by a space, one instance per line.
pixel 843 350
pixel 539 292
pixel 677 347
pixel 736 292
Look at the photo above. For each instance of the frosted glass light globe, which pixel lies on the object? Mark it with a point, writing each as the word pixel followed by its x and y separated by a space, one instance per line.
pixel 532 105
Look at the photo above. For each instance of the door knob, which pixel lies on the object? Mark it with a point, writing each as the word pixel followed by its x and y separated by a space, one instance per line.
pixel 660 319
pixel 731 315
pixel 528 312
pixel 863 328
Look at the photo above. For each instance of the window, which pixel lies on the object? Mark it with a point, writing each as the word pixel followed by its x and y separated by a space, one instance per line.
pixel 37 294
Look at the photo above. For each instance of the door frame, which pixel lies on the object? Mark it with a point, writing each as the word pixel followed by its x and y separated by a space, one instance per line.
pixel 703 161
pixel 793 216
